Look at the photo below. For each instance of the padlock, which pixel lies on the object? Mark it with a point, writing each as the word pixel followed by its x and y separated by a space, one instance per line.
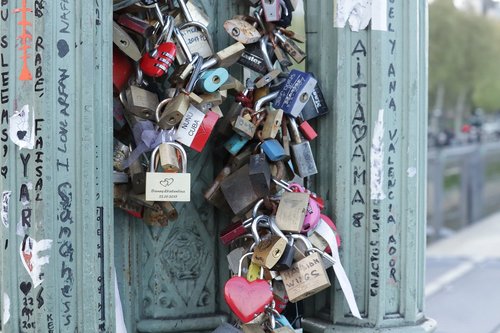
pixel 212 79
pixel 242 100
pixel 272 124
pixel 155 216
pixel 307 131
pixel 307 276
pixel 247 299
pixel 268 78
pixel 260 174
pixel 195 34
pixel 120 153
pixel 136 24
pixel 235 144
pixel 125 43
pixel 214 194
pixel 253 58
pixel 242 31
pixel 161 186
pixel 316 105
pixel 290 47
pixel 303 159
pixel 195 128
pixel 287 258
pixel 141 102
pixel 229 55
pixel 137 176
pixel 157 61
pixel 235 230
pixel 292 211
pixel 272 10
pixel 122 70
pixel 245 124
pixel 312 217
pixel 238 191
pixel 280 296
pixel 269 249
pixel 274 150
pixel 174 110
pixel 168 158
pixel 180 74
pixel 121 200
pixel 295 93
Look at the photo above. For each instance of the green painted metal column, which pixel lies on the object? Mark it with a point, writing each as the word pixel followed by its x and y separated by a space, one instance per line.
pixel 372 154
pixel 55 155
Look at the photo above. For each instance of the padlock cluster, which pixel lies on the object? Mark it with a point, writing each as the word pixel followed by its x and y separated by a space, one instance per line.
pixel 172 90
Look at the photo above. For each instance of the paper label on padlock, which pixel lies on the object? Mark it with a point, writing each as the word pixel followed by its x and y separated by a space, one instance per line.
pixel 196 41
pixel 295 93
pixel 196 127
pixel 161 186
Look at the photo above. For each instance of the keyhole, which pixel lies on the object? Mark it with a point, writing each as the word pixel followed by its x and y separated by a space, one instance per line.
pixel 124 42
pixel 304 97
pixel 235 32
pixel 276 253
pixel 216 79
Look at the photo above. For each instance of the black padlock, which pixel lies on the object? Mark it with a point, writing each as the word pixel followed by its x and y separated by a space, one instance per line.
pixel 260 174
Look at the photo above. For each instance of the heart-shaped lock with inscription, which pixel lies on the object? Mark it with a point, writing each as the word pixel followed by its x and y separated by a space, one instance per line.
pixel 247 299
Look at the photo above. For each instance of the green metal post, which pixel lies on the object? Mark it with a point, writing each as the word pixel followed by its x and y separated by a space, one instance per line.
pixel 375 82
pixel 56 152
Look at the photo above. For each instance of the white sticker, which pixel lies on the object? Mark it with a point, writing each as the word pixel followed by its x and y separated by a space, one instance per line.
pixel 29 251
pixel 21 130
pixel 189 126
pixel 196 41
pixel 161 186
pixel 6 309
pixel 4 214
pixel 377 159
pixel 359 13
pixel 412 171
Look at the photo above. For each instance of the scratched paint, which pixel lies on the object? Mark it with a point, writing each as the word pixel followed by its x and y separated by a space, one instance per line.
pixel 359 13
pixel 6 309
pixel 377 159
pixel 32 259
pixel 21 127
pixel 4 214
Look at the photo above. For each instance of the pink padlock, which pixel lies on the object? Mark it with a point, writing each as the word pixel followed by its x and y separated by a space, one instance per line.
pixel 312 217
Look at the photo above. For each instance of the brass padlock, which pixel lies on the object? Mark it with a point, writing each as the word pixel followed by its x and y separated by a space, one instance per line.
pixel 292 211
pixel 268 250
pixel 168 158
pixel 272 124
pixel 246 123
pixel 141 102
pixel 307 276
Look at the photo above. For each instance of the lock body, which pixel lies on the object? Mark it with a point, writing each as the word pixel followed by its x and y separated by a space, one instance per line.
pixel 238 191
pixel 292 211
pixel 141 102
pixel 268 251
pixel 157 62
pixel 274 150
pixel 260 174
pixel 295 93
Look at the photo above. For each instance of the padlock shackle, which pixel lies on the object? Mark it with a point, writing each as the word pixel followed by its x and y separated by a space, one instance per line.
pixel 241 262
pixel 294 130
pixel 324 255
pixel 305 240
pixel 256 208
pixel 185 10
pixel 202 27
pixel 160 107
pixel 197 63
pixel 265 55
pixel 265 99
pixel 283 184
pixel 182 43
pixel 176 146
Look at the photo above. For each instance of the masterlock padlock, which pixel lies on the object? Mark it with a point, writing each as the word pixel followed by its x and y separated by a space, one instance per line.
pixel 303 159
pixel 162 186
pixel 307 276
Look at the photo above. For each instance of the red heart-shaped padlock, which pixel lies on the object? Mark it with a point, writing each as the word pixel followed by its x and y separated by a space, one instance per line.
pixel 247 299
pixel 157 62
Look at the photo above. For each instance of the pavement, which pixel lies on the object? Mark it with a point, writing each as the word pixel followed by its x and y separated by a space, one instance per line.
pixel 463 279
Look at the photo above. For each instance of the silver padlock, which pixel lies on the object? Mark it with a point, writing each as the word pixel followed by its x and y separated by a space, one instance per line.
pixel 303 159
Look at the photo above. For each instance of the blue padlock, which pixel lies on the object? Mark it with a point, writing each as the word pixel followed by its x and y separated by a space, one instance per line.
pixel 235 144
pixel 274 150
pixel 295 93
pixel 212 79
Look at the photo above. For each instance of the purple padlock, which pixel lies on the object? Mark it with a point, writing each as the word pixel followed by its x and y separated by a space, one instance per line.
pixel 313 213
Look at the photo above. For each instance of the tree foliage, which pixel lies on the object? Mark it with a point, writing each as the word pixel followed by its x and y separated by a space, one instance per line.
pixel 464 49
